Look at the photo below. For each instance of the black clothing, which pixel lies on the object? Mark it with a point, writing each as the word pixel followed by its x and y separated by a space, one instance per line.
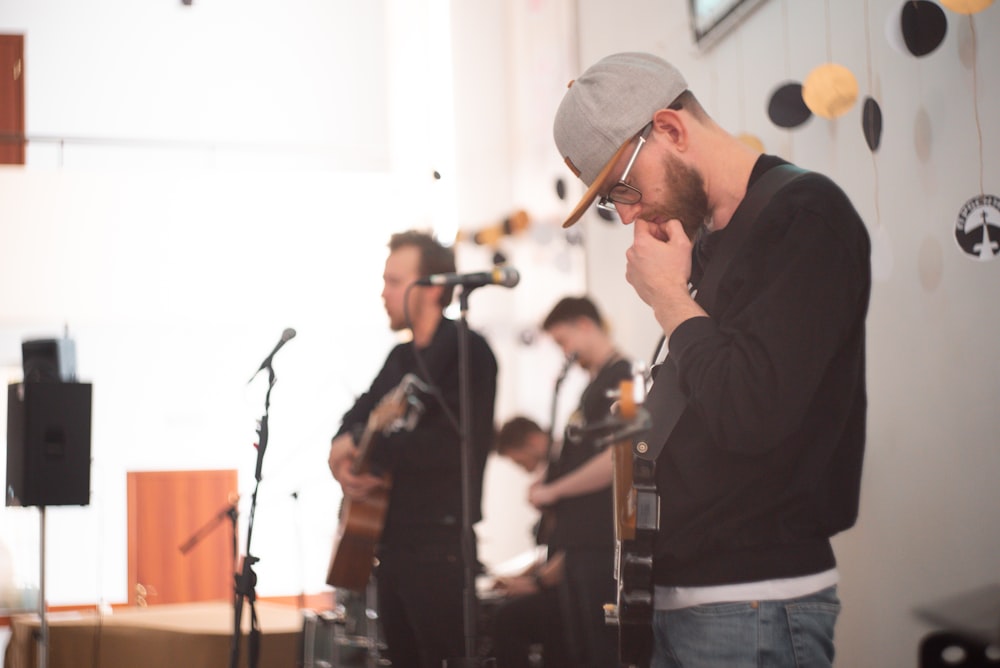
pixel 568 619
pixel 587 520
pixel 585 531
pixel 420 599
pixel 528 620
pixel 421 569
pixel 588 584
pixel 764 466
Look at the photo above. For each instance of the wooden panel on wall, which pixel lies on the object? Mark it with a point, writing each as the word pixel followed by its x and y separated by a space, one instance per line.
pixel 12 99
pixel 180 536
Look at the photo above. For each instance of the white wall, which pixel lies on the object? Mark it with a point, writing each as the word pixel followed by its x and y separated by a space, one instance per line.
pixel 929 525
pixel 200 178
pixel 177 266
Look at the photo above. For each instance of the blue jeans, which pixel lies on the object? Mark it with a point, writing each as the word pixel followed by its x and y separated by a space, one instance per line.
pixel 796 633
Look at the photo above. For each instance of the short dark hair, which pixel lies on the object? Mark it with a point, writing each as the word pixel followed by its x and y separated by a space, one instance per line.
pixel 571 308
pixel 434 257
pixel 514 433
pixel 687 101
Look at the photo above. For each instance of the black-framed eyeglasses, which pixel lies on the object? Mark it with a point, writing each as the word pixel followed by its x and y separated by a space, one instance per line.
pixel 621 192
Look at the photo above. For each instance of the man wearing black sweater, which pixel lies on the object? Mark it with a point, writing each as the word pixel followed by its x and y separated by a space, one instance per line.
pixel 569 590
pixel 764 463
pixel 421 567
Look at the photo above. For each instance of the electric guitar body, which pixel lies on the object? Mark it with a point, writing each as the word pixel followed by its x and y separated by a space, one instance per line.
pixel 636 513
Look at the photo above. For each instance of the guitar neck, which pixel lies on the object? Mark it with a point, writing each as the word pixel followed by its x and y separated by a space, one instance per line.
pixel 360 464
pixel 624 501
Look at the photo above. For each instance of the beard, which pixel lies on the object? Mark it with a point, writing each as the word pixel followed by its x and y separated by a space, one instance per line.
pixel 397 321
pixel 688 201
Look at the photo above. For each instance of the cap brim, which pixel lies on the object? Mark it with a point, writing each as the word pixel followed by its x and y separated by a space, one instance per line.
pixel 591 194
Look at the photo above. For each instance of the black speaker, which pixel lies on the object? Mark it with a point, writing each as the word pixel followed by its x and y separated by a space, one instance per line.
pixel 49 360
pixel 48 444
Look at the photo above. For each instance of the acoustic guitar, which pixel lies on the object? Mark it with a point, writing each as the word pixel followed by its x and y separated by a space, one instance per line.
pixel 362 520
pixel 636 511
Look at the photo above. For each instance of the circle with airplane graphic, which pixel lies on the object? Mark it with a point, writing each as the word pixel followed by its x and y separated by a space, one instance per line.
pixel 977 230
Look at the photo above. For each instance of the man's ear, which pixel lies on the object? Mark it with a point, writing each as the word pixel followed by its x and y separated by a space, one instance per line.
pixel 433 294
pixel 671 126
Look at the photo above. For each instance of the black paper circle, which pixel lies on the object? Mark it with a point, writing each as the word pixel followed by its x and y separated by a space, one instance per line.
pixel 871 123
pixel 924 26
pixel 560 189
pixel 786 108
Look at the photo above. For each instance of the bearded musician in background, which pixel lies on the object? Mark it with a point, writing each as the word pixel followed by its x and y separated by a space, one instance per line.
pixel 421 567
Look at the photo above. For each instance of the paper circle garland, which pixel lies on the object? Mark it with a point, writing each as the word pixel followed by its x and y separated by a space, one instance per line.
pixel 924 26
pixel 606 215
pixel 966 6
pixel 871 123
pixel 916 27
pixel 830 90
pixel 752 141
pixel 786 108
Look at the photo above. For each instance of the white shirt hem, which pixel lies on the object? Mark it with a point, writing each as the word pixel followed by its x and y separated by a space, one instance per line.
pixel 677 598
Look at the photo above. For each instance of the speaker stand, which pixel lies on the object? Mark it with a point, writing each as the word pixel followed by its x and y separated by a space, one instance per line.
pixel 43 629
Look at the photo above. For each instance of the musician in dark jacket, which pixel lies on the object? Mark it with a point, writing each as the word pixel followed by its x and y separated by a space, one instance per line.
pixel 576 491
pixel 420 574
pixel 764 465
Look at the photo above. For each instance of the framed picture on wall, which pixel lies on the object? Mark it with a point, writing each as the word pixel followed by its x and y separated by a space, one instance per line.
pixel 712 19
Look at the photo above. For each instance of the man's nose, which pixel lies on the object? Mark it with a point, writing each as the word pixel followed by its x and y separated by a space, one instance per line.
pixel 627 212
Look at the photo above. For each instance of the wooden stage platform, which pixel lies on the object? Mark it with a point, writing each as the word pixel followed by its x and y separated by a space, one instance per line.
pixel 190 635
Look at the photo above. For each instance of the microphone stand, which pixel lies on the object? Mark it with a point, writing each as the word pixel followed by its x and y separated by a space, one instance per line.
pixel 229 511
pixel 469 600
pixel 246 580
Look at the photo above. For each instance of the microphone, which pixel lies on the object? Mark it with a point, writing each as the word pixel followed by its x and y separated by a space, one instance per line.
pixel 505 276
pixel 286 336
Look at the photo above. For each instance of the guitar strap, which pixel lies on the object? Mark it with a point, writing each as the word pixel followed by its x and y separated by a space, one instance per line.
pixel 665 399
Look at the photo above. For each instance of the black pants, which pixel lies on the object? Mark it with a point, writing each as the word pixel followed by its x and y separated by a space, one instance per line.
pixel 420 600
pixel 527 620
pixel 588 584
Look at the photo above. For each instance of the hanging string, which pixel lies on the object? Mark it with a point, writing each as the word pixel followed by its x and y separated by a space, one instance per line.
pixel 829 38
pixel 784 31
pixel 788 70
pixel 868 45
pixel 975 103
pixel 713 88
pixel 868 62
pixel 740 105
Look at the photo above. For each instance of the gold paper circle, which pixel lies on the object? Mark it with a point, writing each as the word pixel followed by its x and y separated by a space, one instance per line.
pixel 830 90
pixel 966 6
pixel 752 141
